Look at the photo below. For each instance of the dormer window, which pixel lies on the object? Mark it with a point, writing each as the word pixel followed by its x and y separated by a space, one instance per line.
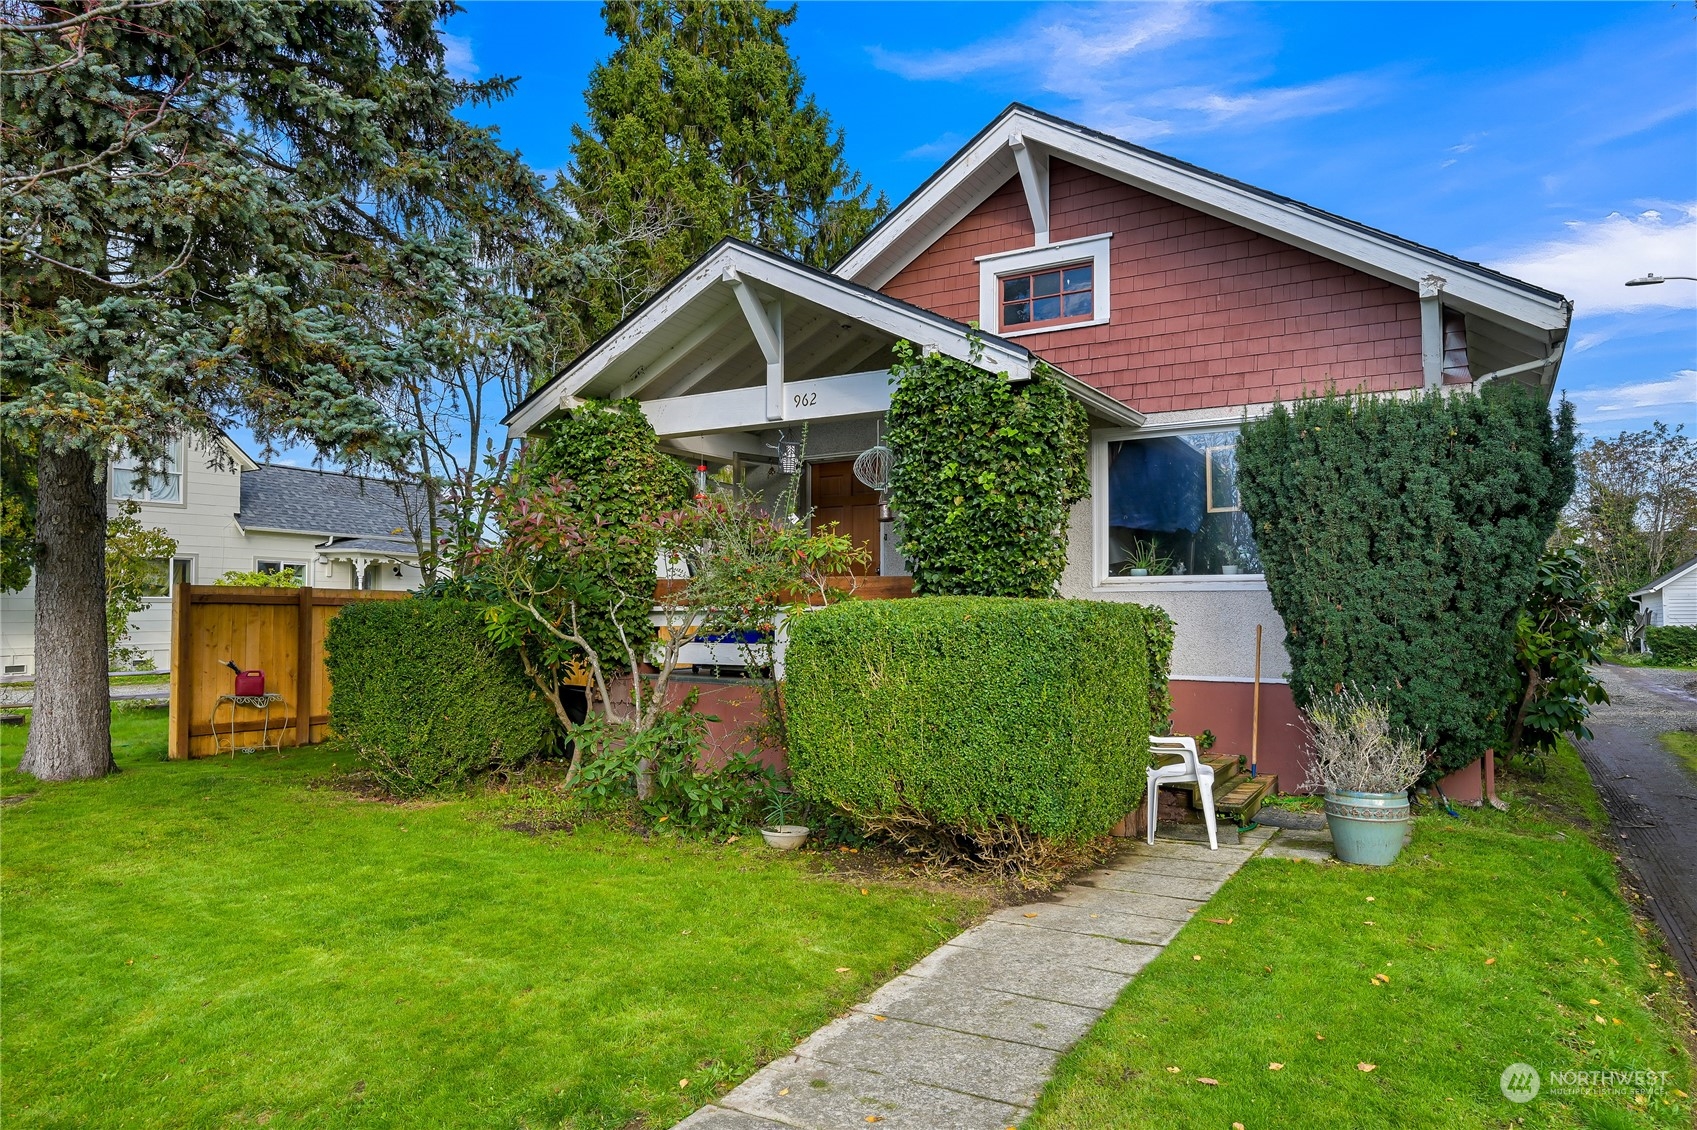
pixel 1037 289
pixel 1041 298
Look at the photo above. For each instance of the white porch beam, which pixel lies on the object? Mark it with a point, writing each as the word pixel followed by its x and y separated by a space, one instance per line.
pixel 1034 178
pixel 668 360
pixel 1432 331
pixel 744 409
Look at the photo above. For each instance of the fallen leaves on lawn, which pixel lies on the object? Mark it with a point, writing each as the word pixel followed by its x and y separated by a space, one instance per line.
pixel 1208 1081
pixel 1196 957
pixel 1381 979
pixel 1370 898
pixel 683 1083
pixel 1490 961
pixel 864 891
pixel 1237 1126
pixel 842 969
pixel 1593 1000
pixel 1366 1067
pixel 1317 1036
pixel 1172 1071
pixel 1223 921
pixel 1275 1067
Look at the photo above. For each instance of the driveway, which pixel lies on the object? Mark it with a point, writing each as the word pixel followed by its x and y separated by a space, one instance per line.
pixel 1651 796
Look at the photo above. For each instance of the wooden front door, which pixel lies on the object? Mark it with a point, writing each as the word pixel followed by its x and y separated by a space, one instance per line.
pixel 841 498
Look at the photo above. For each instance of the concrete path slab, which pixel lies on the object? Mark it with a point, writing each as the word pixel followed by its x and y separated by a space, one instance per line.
pixel 967 1038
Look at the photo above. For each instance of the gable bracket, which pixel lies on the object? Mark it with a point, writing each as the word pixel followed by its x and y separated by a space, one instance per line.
pixel 1034 178
pixel 766 319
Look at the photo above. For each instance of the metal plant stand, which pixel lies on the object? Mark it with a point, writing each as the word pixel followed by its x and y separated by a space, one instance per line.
pixel 261 701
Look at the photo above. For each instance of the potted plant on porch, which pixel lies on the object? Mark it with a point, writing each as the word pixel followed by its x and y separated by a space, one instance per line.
pixel 778 832
pixel 1366 771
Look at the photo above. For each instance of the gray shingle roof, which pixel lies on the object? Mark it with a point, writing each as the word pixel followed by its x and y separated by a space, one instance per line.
pixel 323 502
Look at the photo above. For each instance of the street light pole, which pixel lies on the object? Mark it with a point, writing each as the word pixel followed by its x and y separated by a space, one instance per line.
pixel 1653 279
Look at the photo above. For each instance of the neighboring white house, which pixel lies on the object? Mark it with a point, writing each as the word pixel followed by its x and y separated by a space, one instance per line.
pixel 229 513
pixel 1671 599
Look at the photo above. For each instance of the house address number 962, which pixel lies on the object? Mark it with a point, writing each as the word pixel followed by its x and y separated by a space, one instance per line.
pixel 804 399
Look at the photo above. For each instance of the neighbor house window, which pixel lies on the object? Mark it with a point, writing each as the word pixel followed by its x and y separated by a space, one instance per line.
pixel 1038 298
pixel 164 574
pixel 1174 510
pixel 298 568
pixel 163 482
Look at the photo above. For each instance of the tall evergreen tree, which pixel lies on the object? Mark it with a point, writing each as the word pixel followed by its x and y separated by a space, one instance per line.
pixel 699 129
pixel 199 197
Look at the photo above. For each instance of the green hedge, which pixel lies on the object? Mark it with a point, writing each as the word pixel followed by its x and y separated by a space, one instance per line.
pixel 1673 645
pixel 975 715
pixel 425 699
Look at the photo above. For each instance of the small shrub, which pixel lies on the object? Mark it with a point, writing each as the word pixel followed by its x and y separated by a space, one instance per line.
pixel 1352 747
pixel 1557 640
pixel 425 699
pixel 974 729
pixel 285 578
pixel 1673 644
pixel 683 797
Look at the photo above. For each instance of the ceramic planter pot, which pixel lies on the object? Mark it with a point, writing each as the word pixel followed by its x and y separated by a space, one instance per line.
pixel 1138 572
pixel 1230 570
pixel 1367 828
pixel 784 837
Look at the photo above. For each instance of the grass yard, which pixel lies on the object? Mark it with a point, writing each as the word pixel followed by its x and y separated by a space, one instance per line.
pixel 222 943
pixel 1639 659
pixel 1504 939
pixel 1683 745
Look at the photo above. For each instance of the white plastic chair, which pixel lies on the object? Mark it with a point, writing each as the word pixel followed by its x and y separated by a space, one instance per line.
pixel 1189 769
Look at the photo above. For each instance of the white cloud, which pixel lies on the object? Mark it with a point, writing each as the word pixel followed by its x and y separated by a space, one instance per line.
pixel 1643 399
pixel 457 56
pixel 935 149
pixel 1592 261
pixel 1137 72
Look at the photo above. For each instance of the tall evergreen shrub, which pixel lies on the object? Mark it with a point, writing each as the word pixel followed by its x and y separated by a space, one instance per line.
pixel 1400 539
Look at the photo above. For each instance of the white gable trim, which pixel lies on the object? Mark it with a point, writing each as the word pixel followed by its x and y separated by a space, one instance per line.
pixel 1663 582
pixel 991 267
pixel 928 213
pixel 772 278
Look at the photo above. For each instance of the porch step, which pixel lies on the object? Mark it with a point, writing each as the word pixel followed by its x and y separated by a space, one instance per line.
pixel 1237 795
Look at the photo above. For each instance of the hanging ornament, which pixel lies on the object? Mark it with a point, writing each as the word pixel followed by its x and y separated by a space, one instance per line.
pixel 873 466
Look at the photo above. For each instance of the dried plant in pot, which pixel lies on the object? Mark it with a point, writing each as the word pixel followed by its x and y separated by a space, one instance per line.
pixel 1366 770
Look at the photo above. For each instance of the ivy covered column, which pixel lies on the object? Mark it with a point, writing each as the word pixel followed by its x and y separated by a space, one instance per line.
pixel 985 473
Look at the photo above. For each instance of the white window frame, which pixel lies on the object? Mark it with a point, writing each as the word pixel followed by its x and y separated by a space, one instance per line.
pixel 178 453
pixel 991 268
pixel 171 575
pixel 300 567
pixel 1099 459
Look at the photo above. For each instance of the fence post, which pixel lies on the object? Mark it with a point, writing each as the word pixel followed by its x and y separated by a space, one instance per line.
pixel 178 748
pixel 305 662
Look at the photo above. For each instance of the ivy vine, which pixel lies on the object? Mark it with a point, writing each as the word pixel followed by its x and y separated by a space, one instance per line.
pixel 985 473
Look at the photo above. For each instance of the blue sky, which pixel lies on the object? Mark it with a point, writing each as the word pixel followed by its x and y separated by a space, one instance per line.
pixel 1557 142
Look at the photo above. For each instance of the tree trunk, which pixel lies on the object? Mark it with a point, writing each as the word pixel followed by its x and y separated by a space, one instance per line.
pixel 70 734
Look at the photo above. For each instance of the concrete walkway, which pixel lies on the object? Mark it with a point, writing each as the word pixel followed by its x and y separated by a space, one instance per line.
pixel 966 1039
pixel 1650 795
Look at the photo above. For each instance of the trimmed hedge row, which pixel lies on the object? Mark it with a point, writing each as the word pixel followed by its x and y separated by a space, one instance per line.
pixel 979 716
pixel 1673 645
pixel 425 699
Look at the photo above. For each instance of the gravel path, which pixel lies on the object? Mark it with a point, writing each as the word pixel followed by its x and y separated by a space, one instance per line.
pixel 1650 795
pixel 967 1038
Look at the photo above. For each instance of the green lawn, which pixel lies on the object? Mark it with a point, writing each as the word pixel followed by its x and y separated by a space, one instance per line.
pixel 1504 940
pixel 1683 745
pixel 222 943
pixel 1638 659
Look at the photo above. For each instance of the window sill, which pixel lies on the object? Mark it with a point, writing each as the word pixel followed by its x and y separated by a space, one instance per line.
pixel 1246 582
pixel 1052 329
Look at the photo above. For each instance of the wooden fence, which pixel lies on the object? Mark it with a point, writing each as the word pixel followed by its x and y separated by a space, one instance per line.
pixel 277 631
